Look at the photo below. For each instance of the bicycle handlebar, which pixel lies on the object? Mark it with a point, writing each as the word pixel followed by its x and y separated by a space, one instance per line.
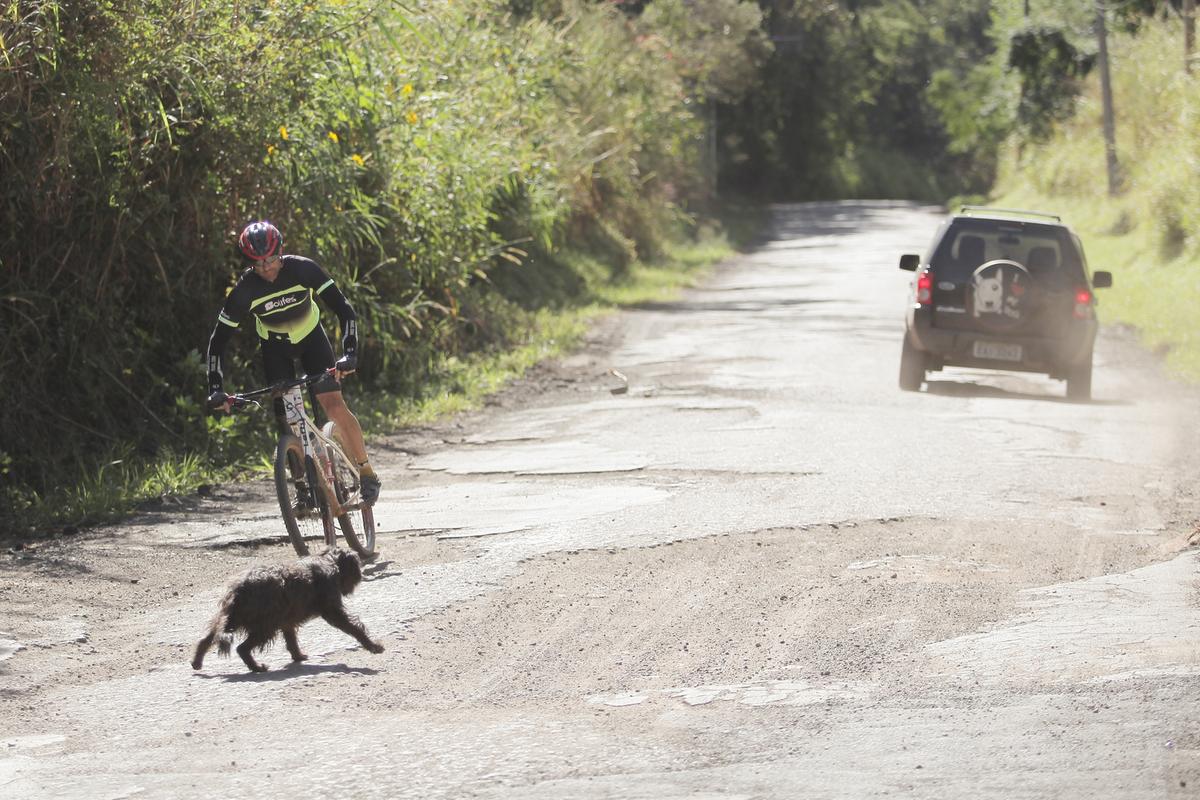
pixel 243 399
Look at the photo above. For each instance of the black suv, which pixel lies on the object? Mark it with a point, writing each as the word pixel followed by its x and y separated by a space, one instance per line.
pixel 1002 289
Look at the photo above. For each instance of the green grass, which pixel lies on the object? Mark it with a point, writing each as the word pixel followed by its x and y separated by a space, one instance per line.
pixel 463 383
pixel 1154 291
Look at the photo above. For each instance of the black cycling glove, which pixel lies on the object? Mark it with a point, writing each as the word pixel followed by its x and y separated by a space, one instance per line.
pixel 347 363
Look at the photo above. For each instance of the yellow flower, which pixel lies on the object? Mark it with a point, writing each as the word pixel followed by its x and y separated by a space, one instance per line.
pixel 283 134
pixel 357 159
pixel 407 90
pixel 412 117
pixel 270 149
pixel 333 137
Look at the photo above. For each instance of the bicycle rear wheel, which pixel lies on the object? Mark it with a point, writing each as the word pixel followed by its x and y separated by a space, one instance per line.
pixel 358 522
pixel 306 515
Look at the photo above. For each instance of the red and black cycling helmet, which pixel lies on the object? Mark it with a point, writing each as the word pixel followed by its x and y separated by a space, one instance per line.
pixel 260 240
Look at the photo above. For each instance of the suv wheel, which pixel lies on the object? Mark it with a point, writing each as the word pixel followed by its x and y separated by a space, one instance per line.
pixel 912 366
pixel 1079 380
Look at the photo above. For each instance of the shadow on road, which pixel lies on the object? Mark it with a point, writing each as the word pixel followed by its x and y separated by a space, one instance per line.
pixel 844 217
pixel 748 306
pixel 965 389
pixel 292 670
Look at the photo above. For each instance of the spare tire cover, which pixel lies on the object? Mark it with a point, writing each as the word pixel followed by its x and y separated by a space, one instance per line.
pixel 999 296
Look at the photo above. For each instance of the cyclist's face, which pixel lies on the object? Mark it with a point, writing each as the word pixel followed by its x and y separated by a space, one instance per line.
pixel 268 268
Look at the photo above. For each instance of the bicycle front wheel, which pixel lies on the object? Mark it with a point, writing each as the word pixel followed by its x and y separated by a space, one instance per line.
pixel 306 515
pixel 357 522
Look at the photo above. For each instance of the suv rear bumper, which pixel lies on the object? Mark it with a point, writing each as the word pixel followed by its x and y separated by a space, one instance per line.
pixel 1053 356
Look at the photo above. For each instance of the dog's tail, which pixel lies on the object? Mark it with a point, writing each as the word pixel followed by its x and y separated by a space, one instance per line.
pixel 222 631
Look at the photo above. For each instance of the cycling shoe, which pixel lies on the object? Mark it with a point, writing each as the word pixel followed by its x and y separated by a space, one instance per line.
pixel 370 489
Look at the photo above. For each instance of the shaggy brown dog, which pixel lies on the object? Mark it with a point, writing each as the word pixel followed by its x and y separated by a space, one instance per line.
pixel 280 598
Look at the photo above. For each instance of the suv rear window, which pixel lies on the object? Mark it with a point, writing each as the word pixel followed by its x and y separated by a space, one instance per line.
pixel 1047 251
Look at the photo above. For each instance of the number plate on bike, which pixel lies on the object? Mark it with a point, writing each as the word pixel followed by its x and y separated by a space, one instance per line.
pixel 999 351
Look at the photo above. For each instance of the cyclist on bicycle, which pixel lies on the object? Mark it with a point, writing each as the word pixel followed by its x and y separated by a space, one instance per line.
pixel 277 290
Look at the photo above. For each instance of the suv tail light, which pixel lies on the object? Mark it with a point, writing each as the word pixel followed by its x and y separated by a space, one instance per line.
pixel 925 288
pixel 1083 304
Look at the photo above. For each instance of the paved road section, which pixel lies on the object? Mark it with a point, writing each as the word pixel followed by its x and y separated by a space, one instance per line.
pixel 759 570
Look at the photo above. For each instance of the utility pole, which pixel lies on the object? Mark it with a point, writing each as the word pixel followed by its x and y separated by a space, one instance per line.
pixel 1110 133
pixel 714 167
pixel 1189 33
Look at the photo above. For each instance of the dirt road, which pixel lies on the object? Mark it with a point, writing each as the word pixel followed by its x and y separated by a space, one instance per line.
pixel 762 571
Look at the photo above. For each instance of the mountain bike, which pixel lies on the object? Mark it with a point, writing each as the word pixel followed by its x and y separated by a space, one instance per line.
pixel 317 484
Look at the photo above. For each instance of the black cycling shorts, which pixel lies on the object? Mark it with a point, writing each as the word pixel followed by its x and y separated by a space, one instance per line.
pixel 315 354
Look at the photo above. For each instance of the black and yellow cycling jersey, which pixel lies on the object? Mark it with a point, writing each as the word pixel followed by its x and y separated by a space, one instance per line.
pixel 283 310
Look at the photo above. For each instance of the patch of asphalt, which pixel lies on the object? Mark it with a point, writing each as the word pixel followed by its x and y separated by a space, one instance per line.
pixel 1107 627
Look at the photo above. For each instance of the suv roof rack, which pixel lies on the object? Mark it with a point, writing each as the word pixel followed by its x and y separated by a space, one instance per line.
pixel 1014 211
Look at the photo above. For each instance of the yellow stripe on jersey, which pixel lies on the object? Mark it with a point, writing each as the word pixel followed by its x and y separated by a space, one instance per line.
pixel 266 297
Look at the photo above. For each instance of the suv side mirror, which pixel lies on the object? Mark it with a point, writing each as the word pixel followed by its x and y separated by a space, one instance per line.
pixel 909 262
pixel 1101 280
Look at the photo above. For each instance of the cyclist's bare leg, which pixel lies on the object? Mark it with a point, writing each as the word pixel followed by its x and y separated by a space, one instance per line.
pixel 351 434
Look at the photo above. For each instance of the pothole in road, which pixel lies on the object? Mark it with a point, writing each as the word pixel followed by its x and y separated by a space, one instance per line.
pixel 541 458
pixel 464 510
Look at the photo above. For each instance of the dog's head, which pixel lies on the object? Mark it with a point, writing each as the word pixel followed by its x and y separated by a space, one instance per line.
pixel 349 569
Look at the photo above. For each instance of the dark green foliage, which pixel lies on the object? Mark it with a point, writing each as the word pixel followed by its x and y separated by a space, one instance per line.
pixel 1050 68
pixel 1131 14
pixel 843 107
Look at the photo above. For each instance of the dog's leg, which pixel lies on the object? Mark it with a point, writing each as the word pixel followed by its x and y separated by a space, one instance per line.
pixel 244 650
pixel 337 618
pixel 293 644
pixel 202 648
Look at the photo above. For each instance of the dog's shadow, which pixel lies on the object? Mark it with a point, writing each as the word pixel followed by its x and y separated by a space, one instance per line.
pixel 292 670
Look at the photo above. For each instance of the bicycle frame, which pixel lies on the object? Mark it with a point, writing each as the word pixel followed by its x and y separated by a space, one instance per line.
pixel 306 430
pixel 297 420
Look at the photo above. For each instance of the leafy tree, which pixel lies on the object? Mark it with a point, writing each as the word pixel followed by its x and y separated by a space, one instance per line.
pixel 717 46
pixel 843 106
pixel 1050 70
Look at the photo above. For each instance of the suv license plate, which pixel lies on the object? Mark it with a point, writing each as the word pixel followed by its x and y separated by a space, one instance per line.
pixel 999 351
